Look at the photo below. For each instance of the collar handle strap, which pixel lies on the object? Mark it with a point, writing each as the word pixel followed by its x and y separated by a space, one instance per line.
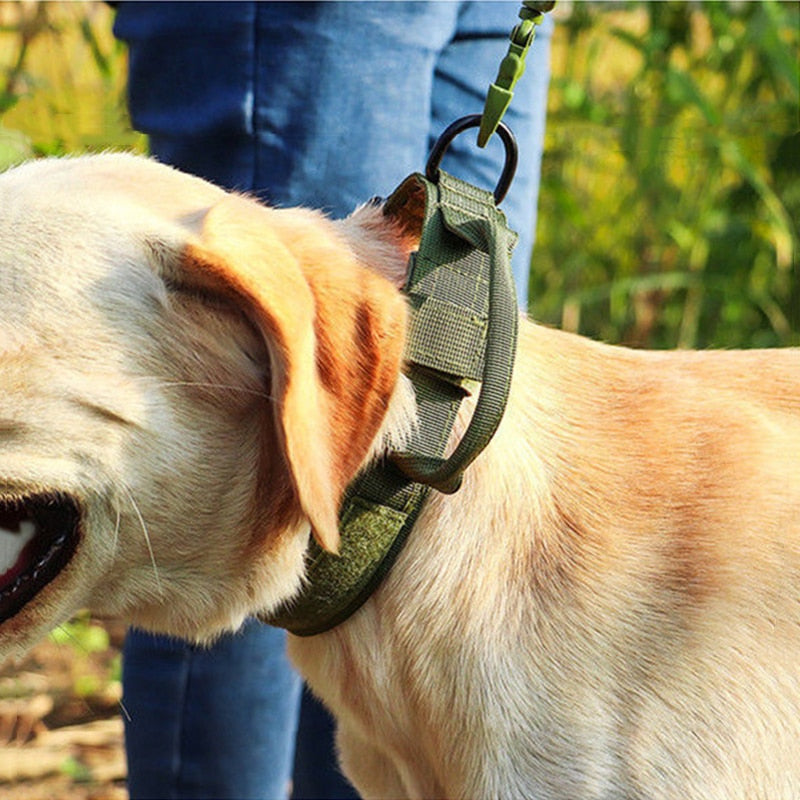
pixel 464 317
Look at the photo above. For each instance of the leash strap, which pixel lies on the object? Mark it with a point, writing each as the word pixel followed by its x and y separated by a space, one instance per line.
pixel 500 93
pixel 462 330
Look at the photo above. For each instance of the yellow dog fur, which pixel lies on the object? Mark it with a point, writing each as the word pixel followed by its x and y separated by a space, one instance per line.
pixel 608 608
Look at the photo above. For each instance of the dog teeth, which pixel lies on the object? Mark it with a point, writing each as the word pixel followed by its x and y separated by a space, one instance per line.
pixel 12 543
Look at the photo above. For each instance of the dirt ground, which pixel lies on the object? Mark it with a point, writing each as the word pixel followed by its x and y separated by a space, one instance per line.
pixel 61 731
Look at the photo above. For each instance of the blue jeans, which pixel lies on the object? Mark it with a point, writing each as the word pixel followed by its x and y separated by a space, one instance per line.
pixel 196 716
pixel 322 104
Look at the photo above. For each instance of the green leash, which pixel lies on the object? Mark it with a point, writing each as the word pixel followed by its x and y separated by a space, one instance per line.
pixel 498 98
pixel 462 331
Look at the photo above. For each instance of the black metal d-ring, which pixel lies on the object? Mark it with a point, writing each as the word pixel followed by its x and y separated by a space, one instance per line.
pixel 473 121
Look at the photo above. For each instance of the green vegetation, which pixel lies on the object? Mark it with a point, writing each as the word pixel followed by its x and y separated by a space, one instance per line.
pixel 670 201
pixel 62 81
pixel 86 637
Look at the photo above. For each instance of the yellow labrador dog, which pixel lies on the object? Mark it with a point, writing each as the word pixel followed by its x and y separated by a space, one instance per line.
pixel 608 608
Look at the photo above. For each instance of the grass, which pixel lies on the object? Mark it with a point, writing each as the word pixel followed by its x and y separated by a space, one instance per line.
pixel 670 197
pixel 62 81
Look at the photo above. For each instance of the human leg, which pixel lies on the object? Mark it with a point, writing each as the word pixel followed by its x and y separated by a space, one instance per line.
pixel 209 722
pixel 320 104
pixel 327 104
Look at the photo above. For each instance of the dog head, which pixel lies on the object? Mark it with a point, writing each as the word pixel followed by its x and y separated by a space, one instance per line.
pixel 188 381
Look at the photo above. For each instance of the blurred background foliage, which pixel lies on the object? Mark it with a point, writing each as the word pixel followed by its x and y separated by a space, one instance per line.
pixel 669 212
pixel 62 81
pixel 670 197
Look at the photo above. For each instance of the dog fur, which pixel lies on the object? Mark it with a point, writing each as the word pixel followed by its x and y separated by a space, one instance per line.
pixel 608 608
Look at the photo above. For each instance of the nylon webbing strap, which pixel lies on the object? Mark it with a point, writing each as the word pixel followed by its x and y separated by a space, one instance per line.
pixel 465 318
pixel 462 329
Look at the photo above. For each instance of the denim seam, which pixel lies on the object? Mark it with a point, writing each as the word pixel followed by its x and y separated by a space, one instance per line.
pixel 255 61
pixel 176 790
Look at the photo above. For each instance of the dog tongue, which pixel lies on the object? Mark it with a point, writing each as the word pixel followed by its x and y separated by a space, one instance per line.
pixel 12 545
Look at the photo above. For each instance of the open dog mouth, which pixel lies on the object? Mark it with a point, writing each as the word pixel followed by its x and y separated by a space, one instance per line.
pixel 38 536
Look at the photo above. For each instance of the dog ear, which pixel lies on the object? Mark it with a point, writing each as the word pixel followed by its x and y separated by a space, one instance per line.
pixel 334 331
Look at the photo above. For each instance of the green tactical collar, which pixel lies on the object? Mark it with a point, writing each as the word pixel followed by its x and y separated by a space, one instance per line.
pixel 462 330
